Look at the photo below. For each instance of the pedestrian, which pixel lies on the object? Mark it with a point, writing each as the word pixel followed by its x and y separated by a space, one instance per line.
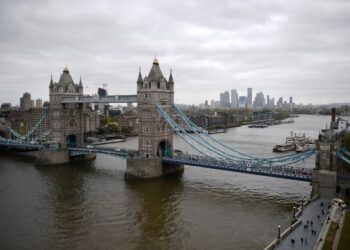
pixel 292 241
pixel 308 222
pixel 318 216
pixel 302 240
pixel 311 223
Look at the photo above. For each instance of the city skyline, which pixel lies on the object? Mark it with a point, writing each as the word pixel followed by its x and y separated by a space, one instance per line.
pixel 294 47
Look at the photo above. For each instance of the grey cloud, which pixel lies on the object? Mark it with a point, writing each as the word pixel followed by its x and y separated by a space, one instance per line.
pixel 284 48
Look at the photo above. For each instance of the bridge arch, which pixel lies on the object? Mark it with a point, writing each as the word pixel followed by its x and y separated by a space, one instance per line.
pixel 164 148
pixel 71 141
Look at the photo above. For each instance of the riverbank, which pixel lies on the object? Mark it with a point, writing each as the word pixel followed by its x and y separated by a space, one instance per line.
pixel 302 234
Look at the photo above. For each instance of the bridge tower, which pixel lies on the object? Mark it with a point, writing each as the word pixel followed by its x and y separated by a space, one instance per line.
pixel 156 139
pixel 68 122
pixel 324 176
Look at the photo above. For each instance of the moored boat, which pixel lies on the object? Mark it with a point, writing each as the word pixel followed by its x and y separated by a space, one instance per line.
pixel 283 147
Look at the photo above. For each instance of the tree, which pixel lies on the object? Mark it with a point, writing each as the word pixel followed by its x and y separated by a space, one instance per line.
pixel 346 141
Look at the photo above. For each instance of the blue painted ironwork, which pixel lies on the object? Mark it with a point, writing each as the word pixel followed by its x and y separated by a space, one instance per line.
pixel 291 173
pixel 211 140
pixel 20 144
pixel 215 151
pixel 32 129
pixel 122 153
pixel 100 99
pixel 342 153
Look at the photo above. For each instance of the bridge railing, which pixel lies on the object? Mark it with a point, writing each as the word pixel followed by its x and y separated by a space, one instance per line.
pixel 100 99
pixel 293 173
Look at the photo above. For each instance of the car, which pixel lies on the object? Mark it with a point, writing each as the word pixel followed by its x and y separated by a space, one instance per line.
pixel 89 146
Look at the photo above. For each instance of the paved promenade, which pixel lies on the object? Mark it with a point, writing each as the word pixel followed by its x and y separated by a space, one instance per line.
pixel 302 235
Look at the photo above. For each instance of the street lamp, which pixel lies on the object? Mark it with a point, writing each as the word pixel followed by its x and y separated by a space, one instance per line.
pixel 294 210
pixel 279 232
pixel 302 200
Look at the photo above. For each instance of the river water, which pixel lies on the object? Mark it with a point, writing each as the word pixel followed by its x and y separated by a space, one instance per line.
pixel 89 205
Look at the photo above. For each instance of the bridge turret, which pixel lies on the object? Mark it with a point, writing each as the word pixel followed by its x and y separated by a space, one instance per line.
pixel 139 81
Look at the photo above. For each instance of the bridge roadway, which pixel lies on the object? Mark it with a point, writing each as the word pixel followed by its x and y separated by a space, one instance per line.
pixel 285 172
pixel 100 99
pixel 20 144
pixel 119 152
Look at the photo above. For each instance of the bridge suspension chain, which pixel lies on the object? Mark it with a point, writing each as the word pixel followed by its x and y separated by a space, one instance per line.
pixel 201 133
pixel 33 129
pixel 183 134
pixel 268 162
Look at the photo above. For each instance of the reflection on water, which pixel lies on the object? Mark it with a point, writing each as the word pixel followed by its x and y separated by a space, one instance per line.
pixel 90 205
pixel 157 213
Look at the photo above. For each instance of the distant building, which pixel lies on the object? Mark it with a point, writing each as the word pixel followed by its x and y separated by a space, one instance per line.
pixel 234 98
pixel 212 103
pixel 102 92
pixel 242 103
pixel 206 103
pixel 280 102
pixel 259 101
pixel 225 99
pixel 26 101
pixel 249 97
pixel 290 100
pixel 39 103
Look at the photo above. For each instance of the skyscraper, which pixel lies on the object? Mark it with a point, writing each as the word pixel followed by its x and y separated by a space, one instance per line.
pixel 26 101
pixel 259 101
pixel 249 97
pixel 242 102
pixel 280 102
pixel 234 98
pixel 290 100
pixel 225 99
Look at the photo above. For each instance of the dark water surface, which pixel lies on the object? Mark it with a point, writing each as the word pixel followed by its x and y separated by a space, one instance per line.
pixel 90 206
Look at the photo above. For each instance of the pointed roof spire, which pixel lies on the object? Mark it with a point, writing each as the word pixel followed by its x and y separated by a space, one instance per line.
pixel 51 82
pixel 139 78
pixel 155 75
pixel 171 80
pixel 155 61
pixel 65 69
pixel 80 83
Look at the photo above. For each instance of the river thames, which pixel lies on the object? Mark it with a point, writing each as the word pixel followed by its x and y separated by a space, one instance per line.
pixel 89 205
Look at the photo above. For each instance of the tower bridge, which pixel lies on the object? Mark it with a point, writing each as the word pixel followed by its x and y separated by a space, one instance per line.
pixel 70 119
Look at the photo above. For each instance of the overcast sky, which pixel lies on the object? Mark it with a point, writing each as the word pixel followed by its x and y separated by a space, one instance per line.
pixel 283 48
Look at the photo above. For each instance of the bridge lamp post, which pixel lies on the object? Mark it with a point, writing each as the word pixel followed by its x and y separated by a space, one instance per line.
pixel 294 210
pixel 279 232
pixel 302 200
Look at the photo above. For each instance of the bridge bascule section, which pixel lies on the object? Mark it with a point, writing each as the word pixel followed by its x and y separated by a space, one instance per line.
pixel 70 118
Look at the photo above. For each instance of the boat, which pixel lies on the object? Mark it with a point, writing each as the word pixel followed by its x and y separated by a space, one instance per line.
pixel 258 126
pixel 303 148
pixel 283 147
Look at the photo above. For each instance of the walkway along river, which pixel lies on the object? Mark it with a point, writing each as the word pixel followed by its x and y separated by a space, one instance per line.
pixel 90 205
